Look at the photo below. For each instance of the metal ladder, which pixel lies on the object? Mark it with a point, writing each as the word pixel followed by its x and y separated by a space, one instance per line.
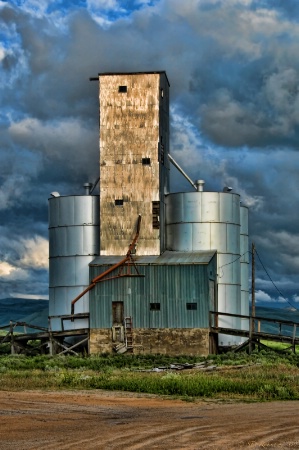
pixel 128 332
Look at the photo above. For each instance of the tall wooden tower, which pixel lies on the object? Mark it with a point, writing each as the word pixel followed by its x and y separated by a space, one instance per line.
pixel 134 166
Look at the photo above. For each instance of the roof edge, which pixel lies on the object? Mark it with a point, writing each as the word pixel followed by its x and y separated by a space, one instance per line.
pixel 135 73
pixel 165 259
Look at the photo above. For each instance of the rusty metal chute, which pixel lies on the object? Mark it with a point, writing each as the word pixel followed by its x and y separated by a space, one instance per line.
pixel 126 263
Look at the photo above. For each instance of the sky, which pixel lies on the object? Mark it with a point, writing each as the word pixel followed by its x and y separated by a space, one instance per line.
pixel 233 68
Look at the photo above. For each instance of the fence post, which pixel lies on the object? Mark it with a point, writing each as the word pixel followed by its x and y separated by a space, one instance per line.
pixel 294 337
pixel 250 335
pixel 12 347
pixel 50 337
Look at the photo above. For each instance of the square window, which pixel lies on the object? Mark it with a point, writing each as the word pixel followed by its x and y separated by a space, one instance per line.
pixel 154 306
pixel 146 161
pixel 191 306
pixel 119 202
pixel 122 89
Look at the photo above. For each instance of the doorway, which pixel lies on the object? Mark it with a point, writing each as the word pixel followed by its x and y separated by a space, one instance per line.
pixel 117 321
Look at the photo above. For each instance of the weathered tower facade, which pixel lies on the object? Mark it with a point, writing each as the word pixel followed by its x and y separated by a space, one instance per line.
pixel 134 167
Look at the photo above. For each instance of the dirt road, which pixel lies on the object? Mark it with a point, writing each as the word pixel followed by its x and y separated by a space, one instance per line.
pixel 107 420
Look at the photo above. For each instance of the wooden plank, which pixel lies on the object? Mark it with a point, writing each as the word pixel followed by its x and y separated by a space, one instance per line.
pixel 264 319
pixel 71 316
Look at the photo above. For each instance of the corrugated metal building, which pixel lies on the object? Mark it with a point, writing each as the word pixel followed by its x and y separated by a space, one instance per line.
pixel 169 303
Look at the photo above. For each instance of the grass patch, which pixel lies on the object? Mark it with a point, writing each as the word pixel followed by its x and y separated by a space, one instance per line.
pixel 279 346
pixel 266 376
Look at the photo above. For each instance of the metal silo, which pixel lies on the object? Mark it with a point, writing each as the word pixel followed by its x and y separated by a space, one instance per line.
pixel 73 242
pixel 211 221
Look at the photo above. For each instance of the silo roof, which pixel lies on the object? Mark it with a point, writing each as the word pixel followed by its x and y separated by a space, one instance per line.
pixel 167 258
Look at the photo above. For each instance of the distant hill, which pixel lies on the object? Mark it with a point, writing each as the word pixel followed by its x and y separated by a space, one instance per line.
pixel 289 314
pixel 36 312
pixel 278 313
pixel 26 310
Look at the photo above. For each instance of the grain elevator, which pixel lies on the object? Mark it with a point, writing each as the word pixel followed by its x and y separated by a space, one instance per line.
pixel 150 264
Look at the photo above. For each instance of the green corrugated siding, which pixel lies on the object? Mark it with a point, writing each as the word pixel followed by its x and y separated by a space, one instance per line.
pixel 170 285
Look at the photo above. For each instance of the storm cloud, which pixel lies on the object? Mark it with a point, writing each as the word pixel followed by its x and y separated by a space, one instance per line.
pixel 234 75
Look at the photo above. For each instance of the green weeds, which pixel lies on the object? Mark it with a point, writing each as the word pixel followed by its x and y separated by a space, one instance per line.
pixel 263 376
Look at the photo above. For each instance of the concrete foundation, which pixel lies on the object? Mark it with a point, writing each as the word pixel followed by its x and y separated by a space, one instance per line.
pixel 100 341
pixel 169 341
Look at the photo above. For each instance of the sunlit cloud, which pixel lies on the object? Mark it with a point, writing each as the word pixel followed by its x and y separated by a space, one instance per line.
pixel 35 253
pixel 10 272
pixel 261 296
pixel 29 296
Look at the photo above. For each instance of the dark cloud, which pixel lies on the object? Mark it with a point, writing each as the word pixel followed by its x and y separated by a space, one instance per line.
pixel 234 77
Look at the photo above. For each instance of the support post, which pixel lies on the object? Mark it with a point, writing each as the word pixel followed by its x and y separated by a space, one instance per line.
pixel 259 330
pixel 12 346
pixel 250 336
pixel 253 285
pixel 252 324
pixel 51 343
pixel 294 338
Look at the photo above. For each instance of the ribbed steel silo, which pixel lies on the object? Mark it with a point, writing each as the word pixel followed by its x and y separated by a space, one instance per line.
pixel 211 221
pixel 73 243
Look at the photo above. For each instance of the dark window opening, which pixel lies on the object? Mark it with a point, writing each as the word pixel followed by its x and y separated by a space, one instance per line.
pixel 117 313
pixel 156 215
pixel 122 89
pixel 154 306
pixel 119 202
pixel 161 153
pixel 146 161
pixel 191 306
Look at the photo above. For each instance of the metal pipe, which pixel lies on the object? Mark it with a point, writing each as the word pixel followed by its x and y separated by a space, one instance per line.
pixel 199 185
pixel 87 187
pixel 111 269
pixel 94 186
pixel 182 172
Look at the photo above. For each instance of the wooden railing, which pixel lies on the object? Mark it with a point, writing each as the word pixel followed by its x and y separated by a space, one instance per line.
pixel 284 330
pixel 21 335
